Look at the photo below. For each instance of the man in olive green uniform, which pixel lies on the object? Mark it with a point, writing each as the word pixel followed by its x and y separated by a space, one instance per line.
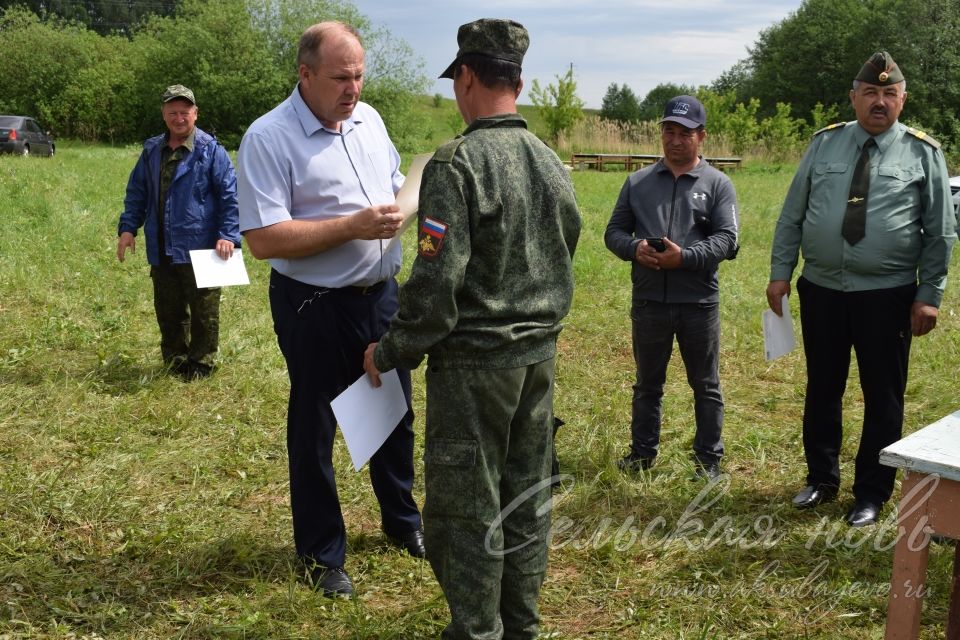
pixel 870 209
pixel 492 280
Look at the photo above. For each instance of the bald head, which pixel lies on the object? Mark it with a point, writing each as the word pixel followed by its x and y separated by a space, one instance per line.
pixel 308 52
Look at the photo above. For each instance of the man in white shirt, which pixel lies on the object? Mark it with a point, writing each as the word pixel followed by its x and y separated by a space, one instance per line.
pixel 317 179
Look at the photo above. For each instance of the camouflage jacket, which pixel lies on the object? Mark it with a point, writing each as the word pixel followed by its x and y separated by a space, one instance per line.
pixel 493 276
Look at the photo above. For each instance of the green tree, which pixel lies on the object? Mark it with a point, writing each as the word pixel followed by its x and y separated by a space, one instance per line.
pixel 820 117
pixel 653 103
pixel 924 38
pixel 620 104
pixel 735 80
pixel 40 59
pixel 781 133
pixel 558 104
pixel 394 72
pixel 744 130
pixel 282 21
pixel 213 49
pixel 100 16
pixel 394 77
pixel 719 108
pixel 239 57
pixel 812 56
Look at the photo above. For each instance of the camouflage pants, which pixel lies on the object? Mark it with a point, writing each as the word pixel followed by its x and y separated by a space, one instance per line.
pixel 189 318
pixel 486 515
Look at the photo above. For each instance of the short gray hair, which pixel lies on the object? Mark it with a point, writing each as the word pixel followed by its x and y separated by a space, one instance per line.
pixel 308 51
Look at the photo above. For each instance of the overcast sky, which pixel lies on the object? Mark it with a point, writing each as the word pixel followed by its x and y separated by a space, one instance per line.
pixel 641 42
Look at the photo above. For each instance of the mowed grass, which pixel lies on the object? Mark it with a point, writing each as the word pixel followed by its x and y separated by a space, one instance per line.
pixel 133 505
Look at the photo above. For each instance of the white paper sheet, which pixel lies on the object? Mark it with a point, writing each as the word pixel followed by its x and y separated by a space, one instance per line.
pixel 778 338
pixel 213 271
pixel 408 198
pixel 367 416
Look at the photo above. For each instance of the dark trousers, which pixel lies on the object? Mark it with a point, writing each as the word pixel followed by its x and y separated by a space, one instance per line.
pixel 697 330
pixel 189 318
pixel 487 477
pixel 322 334
pixel 876 324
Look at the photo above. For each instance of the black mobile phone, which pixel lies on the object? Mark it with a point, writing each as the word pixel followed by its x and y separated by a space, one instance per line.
pixel 657 244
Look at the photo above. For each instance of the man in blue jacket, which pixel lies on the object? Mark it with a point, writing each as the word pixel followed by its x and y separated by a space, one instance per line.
pixel 183 192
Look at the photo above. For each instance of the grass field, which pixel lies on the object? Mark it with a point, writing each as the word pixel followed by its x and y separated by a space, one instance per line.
pixel 133 505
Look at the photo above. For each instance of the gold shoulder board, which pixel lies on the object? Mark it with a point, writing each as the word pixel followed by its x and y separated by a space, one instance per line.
pixel 916 133
pixel 835 125
pixel 448 149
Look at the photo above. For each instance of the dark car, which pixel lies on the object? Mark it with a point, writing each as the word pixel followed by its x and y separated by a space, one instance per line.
pixel 955 191
pixel 23 136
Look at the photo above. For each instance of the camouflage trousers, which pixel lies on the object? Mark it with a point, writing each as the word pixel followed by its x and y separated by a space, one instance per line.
pixel 189 318
pixel 489 435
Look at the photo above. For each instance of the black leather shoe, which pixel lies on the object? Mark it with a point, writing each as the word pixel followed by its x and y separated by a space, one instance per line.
pixel 333 582
pixel 812 495
pixel 411 542
pixel 189 370
pixel 632 463
pixel 863 513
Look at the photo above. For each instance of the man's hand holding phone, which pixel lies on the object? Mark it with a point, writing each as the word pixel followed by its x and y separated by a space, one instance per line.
pixel 657 244
pixel 658 253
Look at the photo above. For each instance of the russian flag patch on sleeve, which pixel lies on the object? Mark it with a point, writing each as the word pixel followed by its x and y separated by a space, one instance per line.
pixel 432 233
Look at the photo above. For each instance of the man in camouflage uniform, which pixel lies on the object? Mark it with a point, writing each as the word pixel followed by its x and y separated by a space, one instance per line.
pixel 183 192
pixel 493 279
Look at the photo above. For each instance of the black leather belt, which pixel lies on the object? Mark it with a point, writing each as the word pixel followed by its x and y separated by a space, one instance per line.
pixel 363 290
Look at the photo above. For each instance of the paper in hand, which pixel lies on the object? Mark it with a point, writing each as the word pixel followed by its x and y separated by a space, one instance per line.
pixel 778 338
pixel 211 270
pixel 408 198
pixel 368 415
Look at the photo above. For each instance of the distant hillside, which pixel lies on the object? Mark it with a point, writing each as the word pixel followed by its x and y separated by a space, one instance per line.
pixel 442 120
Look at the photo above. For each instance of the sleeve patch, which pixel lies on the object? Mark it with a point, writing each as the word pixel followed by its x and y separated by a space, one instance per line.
pixel 432 233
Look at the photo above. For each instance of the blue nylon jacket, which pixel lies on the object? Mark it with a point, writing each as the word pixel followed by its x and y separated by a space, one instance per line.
pixel 201 201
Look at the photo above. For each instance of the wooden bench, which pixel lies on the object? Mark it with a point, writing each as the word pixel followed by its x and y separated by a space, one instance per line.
pixel 930 501
pixel 725 164
pixel 598 161
pixel 634 161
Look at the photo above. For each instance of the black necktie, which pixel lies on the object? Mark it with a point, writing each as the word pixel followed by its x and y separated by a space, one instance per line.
pixel 855 219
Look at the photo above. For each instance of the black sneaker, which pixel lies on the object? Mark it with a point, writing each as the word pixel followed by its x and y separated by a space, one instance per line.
pixel 333 582
pixel 632 463
pixel 708 471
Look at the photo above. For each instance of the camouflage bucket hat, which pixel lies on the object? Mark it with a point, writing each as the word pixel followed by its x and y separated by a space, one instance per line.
pixel 499 39
pixel 178 91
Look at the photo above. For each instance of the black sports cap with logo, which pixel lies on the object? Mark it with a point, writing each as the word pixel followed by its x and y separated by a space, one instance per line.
pixel 685 110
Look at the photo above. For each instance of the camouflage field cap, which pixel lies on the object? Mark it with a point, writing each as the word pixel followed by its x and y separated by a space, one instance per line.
pixel 178 91
pixel 499 39
pixel 880 69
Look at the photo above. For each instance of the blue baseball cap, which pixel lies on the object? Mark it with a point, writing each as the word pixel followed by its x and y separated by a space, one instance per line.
pixel 685 110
